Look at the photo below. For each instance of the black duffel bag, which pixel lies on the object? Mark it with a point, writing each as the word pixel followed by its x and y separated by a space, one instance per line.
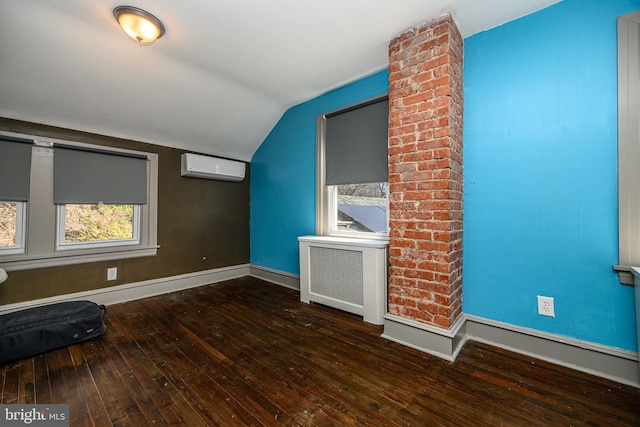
pixel 35 330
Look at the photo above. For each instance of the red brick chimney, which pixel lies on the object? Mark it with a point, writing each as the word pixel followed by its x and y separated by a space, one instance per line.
pixel 425 173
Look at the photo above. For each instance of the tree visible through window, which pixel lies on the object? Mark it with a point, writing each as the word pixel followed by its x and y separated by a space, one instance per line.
pixel 97 223
pixel 8 222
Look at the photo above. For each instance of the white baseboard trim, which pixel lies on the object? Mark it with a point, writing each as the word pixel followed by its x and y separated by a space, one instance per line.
pixel 596 359
pixel 604 361
pixel 443 343
pixel 132 291
pixel 278 277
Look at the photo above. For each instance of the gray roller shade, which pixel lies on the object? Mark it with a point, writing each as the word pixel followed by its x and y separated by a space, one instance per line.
pixel 84 176
pixel 15 169
pixel 356 147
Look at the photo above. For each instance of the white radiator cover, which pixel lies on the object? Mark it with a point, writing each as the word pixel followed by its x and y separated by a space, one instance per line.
pixel 347 274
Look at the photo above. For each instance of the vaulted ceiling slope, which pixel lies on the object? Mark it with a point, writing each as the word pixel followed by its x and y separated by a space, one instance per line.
pixel 223 74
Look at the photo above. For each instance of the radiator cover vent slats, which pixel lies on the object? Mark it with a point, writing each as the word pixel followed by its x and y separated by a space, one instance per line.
pixel 347 274
pixel 336 273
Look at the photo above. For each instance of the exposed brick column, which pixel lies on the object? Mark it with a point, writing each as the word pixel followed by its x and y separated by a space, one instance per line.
pixel 425 173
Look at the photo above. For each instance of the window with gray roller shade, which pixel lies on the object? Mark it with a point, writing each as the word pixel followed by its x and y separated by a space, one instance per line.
pixel 84 176
pixel 15 169
pixel 356 147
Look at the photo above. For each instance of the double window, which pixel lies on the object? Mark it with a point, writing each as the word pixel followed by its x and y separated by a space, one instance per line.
pixel 64 203
pixel 352 171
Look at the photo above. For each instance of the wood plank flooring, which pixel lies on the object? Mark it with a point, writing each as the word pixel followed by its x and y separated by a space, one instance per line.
pixel 248 353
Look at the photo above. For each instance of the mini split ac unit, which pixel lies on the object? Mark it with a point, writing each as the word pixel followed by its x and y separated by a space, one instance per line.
pixel 197 166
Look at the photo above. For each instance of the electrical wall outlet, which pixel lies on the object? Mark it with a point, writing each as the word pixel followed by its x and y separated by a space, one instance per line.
pixel 112 273
pixel 545 306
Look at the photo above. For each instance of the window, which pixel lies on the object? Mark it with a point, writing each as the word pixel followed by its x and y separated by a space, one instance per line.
pixel 15 165
pixel 11 227
pixel 352 171
pixel 628 144
pixel 97 225
pixel 361 208
pixel 82 203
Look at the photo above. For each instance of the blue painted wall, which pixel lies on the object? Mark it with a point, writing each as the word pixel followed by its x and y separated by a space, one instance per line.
pixel 283 176
pixel 540 164
pixel 540 173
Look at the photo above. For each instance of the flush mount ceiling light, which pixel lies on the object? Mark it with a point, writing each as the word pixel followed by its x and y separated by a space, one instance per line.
pixel 141 26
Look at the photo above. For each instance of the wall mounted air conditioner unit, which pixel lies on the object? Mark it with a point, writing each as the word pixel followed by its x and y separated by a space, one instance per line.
pixel 197 166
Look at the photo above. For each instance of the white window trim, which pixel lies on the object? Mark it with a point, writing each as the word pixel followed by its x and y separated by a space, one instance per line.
pixel 326 195
pixel 40 243
pixel 18 248
pixel 628 145
pixel 61 245
pixel 322 194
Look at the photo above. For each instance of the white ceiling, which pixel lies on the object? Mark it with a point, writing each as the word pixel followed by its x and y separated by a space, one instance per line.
pixel 223 74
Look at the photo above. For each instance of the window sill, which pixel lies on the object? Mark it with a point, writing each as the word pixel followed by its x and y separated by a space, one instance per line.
pixel 66 258
pixel 345 241
pixel 625 274
pixel 359 236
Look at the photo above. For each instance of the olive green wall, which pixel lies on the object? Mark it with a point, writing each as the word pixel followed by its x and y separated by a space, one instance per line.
pixel 202 224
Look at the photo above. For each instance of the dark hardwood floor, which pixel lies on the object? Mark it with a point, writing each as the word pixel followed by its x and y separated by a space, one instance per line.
pixel 246 352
